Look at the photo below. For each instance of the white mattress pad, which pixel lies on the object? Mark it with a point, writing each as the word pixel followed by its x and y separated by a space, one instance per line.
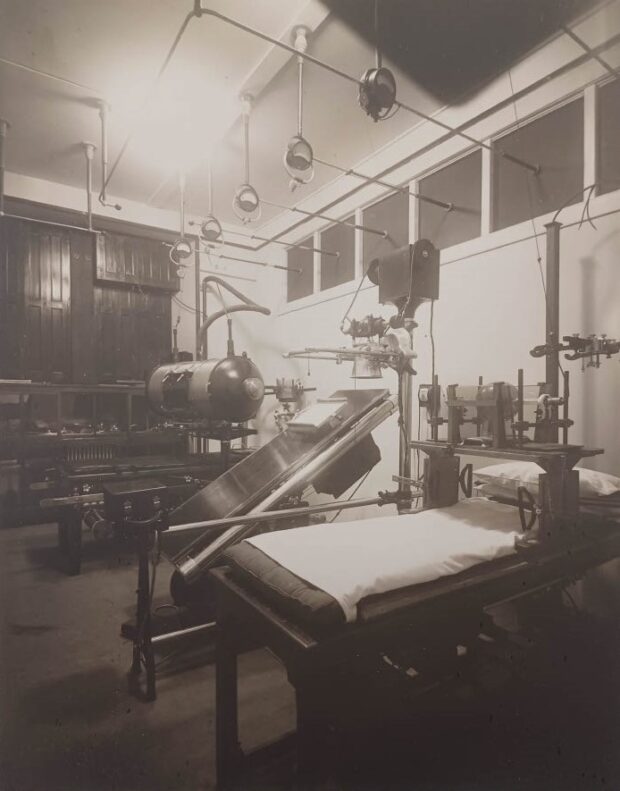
pixel 352 560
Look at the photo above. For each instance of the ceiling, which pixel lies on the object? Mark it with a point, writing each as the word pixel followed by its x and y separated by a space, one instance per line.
pixel 113 49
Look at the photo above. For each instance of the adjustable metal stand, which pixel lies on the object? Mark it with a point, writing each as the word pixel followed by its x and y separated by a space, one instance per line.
pixel 143 654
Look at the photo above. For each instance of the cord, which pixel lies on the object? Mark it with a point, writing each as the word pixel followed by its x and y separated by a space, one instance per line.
pixel 350 308
pixel 531 208
pixel 351 496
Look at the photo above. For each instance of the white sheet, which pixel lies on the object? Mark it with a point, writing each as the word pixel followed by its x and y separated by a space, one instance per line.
pixel 351 560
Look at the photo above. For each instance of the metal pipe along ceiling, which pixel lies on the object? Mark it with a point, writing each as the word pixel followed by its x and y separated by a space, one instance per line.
pixel 199 12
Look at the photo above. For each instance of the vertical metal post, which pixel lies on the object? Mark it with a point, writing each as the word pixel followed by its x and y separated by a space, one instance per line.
pixel 520 406
pixel 4 128
pixel 404 450
pixel 566 395
pixel 435 404
pixel 552 371
pixel 404 436
pixel 197 305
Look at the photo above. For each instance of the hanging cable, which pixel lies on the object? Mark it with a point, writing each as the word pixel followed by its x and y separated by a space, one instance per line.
pixel 350 308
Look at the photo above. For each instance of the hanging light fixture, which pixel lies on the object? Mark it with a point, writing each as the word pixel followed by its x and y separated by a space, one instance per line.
pixel 377 92
pixel 181 249
pixel 246 203
pixel 210 228
pixel 298 157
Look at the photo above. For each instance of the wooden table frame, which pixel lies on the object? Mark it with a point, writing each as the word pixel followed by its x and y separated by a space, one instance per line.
pixel 245 622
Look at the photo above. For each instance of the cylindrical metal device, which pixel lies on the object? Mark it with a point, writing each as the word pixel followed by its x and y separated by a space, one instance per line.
pixel 229 389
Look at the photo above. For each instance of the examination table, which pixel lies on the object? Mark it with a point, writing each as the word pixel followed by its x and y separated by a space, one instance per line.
pixel 427 600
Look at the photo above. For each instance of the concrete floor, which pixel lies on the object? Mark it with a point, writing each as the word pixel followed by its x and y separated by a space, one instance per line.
pixel 68 724
pixel 66 719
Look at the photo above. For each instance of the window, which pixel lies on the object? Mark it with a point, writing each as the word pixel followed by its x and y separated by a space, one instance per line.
pixel 392 215
pixel 338 239
pixel 555 142
pixel 300 277
pixel 459 183
pixel 608 167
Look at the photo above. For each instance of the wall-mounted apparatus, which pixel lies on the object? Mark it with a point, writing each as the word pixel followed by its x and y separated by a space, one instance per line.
pixel 246 203
pixel 299 157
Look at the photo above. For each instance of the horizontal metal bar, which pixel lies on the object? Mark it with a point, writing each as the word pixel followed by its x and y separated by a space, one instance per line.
pixel 268 516
pixel 54 224
pixel 373 180
pixel 164 638
pixel 535 169
pixel 279 241
pixel 76 499
pixel 247 261
pixel 590 52
pixel 364 228
pixel 211 252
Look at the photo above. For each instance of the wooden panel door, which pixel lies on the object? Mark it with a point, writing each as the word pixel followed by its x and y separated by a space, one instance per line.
pixel 47 303
pixel 11 302
pixel 35 302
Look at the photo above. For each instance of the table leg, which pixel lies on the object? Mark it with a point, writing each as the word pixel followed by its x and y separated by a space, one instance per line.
pixel 227 749
pixel 70 540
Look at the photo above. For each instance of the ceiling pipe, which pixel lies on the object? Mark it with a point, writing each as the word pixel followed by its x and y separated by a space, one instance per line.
pixel 495 151
pixel 89 153
pixel 4 128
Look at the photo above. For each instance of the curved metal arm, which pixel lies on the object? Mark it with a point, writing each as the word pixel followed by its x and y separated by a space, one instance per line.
pixel 247 304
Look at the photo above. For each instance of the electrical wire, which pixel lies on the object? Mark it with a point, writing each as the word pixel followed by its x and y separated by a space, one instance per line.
pixel 351 496
pixel 350 308
pixel 531 208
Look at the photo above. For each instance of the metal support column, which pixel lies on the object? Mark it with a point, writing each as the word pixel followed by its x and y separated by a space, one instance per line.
pixel 552 312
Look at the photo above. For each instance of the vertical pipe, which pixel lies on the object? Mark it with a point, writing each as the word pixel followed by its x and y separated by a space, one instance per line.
pixel 4 127
pixel 520 406
pixel 552 369
pixel 197 307
pixel 210 187
pixel 378 59
pixel 182 203
pixel 103 114
pixel 89 152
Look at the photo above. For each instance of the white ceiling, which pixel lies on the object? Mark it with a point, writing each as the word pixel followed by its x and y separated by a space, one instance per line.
pixel 115 49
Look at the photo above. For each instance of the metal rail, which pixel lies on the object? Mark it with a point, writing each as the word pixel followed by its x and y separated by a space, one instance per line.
pixel 284 513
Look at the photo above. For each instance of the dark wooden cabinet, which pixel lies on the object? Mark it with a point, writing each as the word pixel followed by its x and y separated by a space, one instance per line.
pixel 61 322
pixel 133 260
